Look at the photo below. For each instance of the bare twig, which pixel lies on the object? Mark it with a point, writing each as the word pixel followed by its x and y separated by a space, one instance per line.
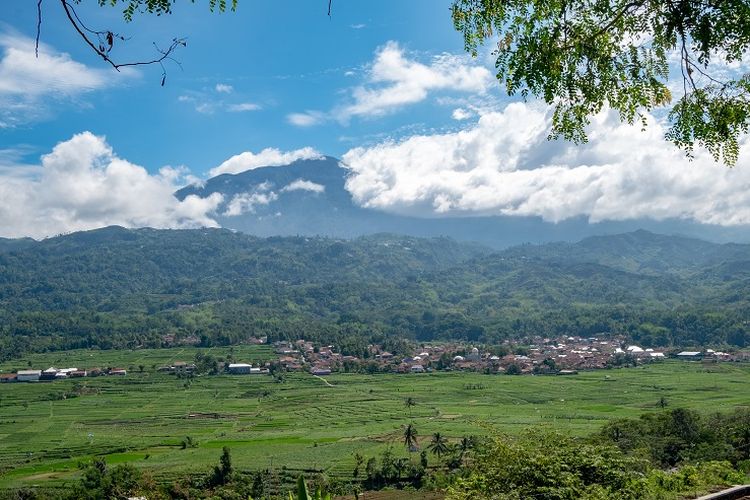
pixel 103 51
pixel 38 27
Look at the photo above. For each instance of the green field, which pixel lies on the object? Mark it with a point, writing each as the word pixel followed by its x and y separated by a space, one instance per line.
pixel 307 422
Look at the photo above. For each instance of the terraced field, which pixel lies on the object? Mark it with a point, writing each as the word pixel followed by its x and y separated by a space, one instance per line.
pixel 306 422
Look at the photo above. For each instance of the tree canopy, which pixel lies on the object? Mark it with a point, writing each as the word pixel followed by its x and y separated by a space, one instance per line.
pixel 581 56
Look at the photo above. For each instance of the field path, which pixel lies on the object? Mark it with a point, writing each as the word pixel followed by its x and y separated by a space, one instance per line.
pixel 324 381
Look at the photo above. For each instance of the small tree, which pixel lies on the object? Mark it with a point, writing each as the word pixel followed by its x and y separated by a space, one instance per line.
pixel 223 472
pixel 409 403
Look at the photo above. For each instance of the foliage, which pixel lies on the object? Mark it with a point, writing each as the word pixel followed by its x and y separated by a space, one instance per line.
pixel 303 494
pixel 583 55
pixel 159 7
pixel 410 437
pixel 117 288
pixel 438 445
pixel 553 466
pixel 680 435
pixel 100 481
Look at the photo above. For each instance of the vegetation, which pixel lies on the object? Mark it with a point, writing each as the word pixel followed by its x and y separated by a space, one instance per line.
pixel 117 288
pixel 277 431
pixel 584 55
pixel 553 466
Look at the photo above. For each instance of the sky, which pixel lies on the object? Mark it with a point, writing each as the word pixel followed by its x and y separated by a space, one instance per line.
pixel 386 86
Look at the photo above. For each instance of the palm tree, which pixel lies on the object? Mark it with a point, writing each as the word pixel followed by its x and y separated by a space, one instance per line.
pixel 410 437
pixel 409 403
pixel 438 445
pixel 465 444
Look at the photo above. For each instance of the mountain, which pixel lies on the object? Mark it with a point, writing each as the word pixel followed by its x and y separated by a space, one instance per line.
pixel 117 287
pixel 309 198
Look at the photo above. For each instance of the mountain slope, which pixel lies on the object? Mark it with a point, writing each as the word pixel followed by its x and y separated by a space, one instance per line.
pixel 309 197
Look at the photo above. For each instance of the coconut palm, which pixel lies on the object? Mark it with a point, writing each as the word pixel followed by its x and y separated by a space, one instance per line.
pixel 410 437
pixel 438 445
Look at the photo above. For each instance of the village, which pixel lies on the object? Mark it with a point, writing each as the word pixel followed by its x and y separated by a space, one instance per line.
pixel 563 356
pixel 541 356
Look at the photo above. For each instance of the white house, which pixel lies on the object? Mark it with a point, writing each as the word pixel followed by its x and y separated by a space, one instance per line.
pixel 239 368
pixel 28 375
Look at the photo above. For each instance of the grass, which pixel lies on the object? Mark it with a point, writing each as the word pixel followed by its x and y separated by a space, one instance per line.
pixel 304 423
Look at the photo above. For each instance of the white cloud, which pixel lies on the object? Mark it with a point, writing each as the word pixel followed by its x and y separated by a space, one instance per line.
pixel 223 88
pixel 208 104
pixel 504 165
pixel 461 114
pixel 303 185
pixel 269 157
pixel 243 106
pixel 306 119
pixel 394 80
pixel 358 26
pixel 246 202
pixel 82 185
pixel 28 82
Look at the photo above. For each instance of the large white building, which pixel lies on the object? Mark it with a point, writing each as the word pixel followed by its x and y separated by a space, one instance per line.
pixel 28 375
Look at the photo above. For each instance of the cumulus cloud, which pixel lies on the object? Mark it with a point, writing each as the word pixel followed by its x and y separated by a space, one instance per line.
pixel 246 202
pixel 503 164
pixel 394 80
pixel 223 88
pixel 28 83
pixel 304 185
pixel 269 157
pixel 82 185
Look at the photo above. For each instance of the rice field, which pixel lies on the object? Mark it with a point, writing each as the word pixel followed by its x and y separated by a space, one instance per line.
pixel 306 422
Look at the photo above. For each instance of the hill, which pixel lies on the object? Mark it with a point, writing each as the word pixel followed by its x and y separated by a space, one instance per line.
pixel 116 287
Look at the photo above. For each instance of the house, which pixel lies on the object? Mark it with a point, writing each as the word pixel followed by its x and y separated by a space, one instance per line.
pixel 182 368
pixel 689 355
pixel 77 374
pixel 320 371
pixel 28 375
pixel 8 377
pixel 49 374
pixel 239 368
pixel 118 371
pixel 417 369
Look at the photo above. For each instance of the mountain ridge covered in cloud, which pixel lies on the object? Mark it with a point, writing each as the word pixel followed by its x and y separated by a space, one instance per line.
pixel 313 197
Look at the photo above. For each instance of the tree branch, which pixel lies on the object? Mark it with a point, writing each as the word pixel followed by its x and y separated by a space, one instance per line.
pixel 103 52
pixel 38 27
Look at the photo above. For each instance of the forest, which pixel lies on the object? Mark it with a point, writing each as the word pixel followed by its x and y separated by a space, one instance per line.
pixel 120 288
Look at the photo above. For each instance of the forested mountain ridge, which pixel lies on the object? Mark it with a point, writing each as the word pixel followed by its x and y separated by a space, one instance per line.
pixel 115 287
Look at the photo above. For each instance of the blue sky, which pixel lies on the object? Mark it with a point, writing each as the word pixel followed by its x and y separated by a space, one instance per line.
pixel 284 57
pixel 423 128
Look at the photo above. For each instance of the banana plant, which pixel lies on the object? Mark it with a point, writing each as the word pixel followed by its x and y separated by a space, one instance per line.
pixel 303 494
